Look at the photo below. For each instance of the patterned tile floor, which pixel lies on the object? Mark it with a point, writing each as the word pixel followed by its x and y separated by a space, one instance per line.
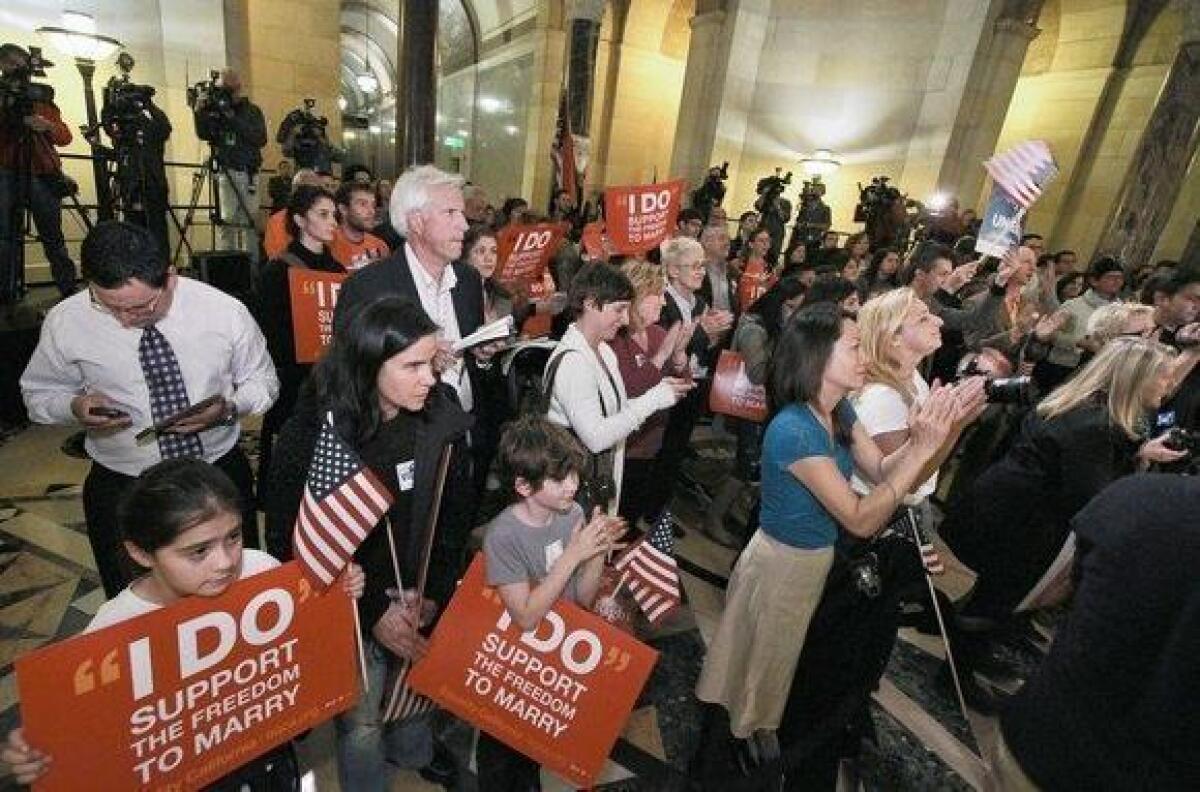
pixel 49 589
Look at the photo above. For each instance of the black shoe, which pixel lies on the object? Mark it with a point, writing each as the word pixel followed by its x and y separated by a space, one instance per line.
pixel 442 769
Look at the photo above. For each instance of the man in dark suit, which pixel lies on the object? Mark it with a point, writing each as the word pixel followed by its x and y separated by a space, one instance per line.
pixel 426 209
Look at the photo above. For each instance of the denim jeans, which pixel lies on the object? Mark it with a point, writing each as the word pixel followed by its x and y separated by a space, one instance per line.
pixel 366 747
pixel 46 209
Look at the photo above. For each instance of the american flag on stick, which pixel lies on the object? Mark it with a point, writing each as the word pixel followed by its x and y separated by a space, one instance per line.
pixel 343 500
pixel 652 571
pixel 1023 171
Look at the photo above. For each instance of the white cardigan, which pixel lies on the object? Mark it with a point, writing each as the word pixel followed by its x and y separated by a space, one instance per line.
pixel 579 386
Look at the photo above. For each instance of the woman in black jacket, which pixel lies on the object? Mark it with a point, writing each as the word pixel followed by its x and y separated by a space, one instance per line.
pixel 378 387
pixel 311 222
pixel 1015 522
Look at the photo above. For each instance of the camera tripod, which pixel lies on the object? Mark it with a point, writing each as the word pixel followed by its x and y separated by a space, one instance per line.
pixel 21 217
pixel 207 173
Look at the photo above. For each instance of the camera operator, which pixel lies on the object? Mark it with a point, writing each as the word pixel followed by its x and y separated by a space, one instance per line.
pixel 1114 704
pixel 775 210
pixel 139 130
pixel 710 194
pixel 30 129
pixel 302 137
pixel 814 216
pixel 882 210
pixel 237 132
pixel 1013 528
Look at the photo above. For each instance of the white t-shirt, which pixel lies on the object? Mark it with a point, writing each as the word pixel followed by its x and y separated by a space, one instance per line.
pixel 128 605
pixel 881 409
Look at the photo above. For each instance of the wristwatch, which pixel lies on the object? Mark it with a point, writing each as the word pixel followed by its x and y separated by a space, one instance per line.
pixel 231 417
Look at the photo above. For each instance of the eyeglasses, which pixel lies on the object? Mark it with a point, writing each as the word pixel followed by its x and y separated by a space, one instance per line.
pixel 147 307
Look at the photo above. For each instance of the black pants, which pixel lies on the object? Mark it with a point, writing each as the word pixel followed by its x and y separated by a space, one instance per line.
pixel 45 207
pixel 102 492
pixel 678 434
pixel 644 492
pixel 504 769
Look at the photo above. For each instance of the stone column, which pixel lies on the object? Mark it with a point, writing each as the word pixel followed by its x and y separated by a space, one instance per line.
pixel 416 88
pixel 1156 173
pixel 988 93
pixel 583 29
pixel 699 106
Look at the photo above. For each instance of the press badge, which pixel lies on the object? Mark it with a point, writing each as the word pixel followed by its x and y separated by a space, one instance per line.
pixel 554 551
pixel 404 475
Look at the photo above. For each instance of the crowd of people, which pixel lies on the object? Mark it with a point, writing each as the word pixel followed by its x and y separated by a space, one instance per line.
pixel 911 391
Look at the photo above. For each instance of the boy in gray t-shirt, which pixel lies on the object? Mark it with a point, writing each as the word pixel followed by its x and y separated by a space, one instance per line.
pixel 539 550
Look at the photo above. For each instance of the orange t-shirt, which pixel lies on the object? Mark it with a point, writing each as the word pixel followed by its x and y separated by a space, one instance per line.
pixel 356 255
pixel 756 279
pixel 276 238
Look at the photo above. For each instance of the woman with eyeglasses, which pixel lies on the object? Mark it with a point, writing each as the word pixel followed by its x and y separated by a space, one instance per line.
pixel 312 220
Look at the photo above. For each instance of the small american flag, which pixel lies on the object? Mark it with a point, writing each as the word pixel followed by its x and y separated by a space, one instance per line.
pixel 653 573
pixel 343 500
pixel 400 702
pixel 930 558
pixel 1023 171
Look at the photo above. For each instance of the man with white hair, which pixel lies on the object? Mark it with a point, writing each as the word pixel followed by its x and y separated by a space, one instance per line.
pixel 426 208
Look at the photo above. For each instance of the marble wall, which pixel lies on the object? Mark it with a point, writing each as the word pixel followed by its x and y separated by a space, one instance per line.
pixel 877 83
pixel 1060 97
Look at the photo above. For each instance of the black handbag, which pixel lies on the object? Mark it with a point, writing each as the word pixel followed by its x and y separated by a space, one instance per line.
pixel 596 485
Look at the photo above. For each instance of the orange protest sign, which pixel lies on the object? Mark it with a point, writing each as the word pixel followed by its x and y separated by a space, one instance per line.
pixel 538 325
pixel 182 696
pixel 523 251
pixel 314 296
pixel 639 218
pixel 559 694
pixel 732 392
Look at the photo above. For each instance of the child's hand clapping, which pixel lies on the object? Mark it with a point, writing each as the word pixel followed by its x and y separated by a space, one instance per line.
pixel 596 537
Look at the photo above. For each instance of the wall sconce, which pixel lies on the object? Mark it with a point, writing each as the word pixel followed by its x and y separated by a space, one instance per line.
pixel 820 163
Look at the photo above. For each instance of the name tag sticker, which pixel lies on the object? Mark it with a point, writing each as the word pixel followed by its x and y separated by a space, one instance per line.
pixel 554 550
pixel 405 475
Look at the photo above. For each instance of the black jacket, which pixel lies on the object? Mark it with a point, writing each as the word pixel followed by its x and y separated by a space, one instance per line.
pixel 1017 515
pixel 698 346
pixel 441 423
pixel 393 276
pixel 240 148
pixel 1113 706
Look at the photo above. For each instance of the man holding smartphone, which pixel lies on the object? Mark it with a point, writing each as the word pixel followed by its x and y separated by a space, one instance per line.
pixel 144 349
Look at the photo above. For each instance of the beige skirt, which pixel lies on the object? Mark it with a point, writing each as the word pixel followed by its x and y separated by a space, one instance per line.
pixel 772 594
